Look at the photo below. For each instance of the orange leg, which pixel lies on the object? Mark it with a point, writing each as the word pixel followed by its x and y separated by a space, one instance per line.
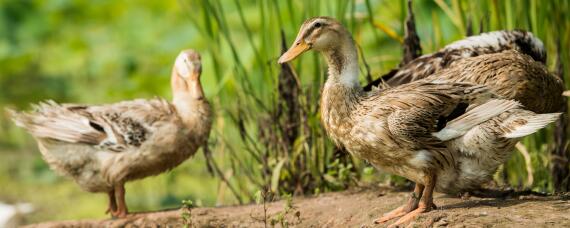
pixel 411 205
pixel 425 205
pixel 112 202
pixel 122 210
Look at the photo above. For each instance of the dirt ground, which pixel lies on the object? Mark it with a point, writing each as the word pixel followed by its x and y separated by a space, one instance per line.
pixel 356 208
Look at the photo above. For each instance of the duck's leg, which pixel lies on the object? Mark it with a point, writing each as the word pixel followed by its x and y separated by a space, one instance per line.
pixel 112 202
pixel 122 210
pixel 411 205
pixel 425 205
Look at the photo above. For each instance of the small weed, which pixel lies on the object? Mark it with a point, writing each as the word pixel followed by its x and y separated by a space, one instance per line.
pixel 187 206
pixel 288 208
pixel 262 197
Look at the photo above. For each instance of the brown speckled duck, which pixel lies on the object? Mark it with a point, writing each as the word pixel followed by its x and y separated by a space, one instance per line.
pixel 444 136
pixel 104 146
pixel 511 63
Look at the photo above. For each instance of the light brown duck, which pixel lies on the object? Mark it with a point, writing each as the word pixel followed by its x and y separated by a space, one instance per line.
pixel 447 136
pixel 102 147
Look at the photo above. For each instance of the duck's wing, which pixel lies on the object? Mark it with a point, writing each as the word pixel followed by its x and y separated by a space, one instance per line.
pixel 422 109
pixel 113 127
pixel 485 43
pixel 426 114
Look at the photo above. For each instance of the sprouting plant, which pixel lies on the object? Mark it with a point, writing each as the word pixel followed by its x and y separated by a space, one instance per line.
pixel 281 217
pixel 262 197
pixel 187 206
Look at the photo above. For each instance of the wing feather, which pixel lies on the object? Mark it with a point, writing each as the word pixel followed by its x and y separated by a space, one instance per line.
pixel 113 127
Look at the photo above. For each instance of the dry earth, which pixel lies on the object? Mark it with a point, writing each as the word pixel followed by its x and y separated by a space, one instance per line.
pixel 357 208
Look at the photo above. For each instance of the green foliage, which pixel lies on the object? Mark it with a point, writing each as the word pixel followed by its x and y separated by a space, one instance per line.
pixel 106 51
pixel 186 214
pixel 281 217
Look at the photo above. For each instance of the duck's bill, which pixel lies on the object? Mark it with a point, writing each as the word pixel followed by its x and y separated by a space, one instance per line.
pixel 297 49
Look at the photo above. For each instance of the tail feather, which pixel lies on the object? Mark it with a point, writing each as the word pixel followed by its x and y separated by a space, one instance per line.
pixel 474 117
pixel 533 124
pixel 50 120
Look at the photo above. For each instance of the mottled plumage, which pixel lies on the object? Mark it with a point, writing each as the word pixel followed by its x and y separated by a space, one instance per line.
pixel 511 75
pixel 439 133
pixel 104 146
pixel 479 45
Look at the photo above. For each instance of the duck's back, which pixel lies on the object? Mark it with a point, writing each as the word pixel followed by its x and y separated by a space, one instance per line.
pixel 513 76
pixel 482 44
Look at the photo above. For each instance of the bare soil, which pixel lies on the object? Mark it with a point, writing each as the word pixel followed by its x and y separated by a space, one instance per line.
pixel 356 208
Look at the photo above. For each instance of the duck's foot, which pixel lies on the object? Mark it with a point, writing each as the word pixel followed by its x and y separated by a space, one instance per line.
pixel 425 201
pixel 120 213
pixel 392 214
pixel 411 205
pixel 412 215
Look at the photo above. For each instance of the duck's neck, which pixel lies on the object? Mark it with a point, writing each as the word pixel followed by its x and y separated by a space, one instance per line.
pixel 343 65
pixel 191 105
pixel 342 89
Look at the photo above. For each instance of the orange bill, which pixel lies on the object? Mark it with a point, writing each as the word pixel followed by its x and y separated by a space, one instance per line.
pixel 297 49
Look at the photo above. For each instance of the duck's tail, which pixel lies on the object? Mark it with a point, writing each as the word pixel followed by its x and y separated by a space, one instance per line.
pixel 53 121
pixel 530 124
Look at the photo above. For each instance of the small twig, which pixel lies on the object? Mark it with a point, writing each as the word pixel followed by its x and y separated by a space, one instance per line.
pixel 264 196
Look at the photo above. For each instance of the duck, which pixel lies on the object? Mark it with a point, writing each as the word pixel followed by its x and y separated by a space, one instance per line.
pixel 504 47
pixel 102 147
pixel 443 135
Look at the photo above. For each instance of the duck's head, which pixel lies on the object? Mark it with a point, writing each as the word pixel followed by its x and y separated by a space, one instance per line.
pixel 188 65
pixel 320 34
pixel 186 74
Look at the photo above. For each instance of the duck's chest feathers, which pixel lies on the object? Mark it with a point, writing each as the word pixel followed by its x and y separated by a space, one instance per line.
pixel 338 105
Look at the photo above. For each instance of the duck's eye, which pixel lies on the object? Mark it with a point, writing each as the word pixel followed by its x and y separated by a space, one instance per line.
pixel 318 24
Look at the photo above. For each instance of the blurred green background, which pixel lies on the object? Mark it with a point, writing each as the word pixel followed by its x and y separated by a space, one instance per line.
pixel 106 51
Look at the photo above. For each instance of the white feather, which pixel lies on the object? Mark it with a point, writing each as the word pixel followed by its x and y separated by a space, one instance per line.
pixel 492 39
pixel 497 39
pixel 534 124
pixel 474 117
